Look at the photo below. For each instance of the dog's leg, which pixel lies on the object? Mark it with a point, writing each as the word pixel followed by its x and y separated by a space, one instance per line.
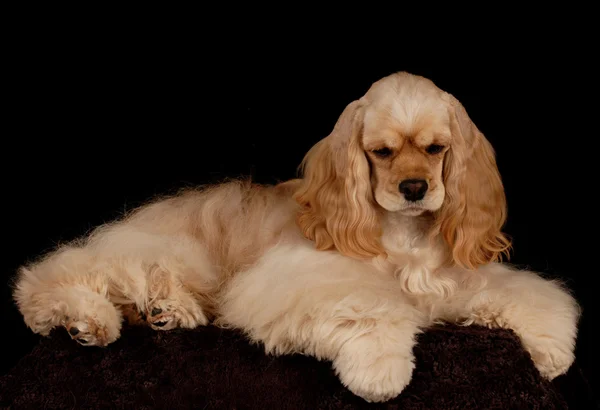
pixel 170 303
pixel 541 312
pixel 89 317
pixel 64 290
pixel 297 300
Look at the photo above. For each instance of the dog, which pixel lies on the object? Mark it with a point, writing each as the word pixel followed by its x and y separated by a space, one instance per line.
pixel 394 225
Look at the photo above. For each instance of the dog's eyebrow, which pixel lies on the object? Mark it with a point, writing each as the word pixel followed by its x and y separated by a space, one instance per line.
pixel 384 138
pixel 442 138
pixel 437 138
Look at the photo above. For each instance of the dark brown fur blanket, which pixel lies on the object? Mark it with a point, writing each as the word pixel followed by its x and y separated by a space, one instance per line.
pixel 210 368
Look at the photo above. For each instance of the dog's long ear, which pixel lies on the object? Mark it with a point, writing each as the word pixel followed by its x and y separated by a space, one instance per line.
pixel 337 206
pixel 474 209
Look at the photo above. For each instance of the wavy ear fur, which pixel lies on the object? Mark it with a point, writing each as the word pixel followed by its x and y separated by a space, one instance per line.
pixel 474 210
pixel 337 206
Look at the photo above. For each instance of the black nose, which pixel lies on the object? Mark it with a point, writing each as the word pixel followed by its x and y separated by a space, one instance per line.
pixel 413 189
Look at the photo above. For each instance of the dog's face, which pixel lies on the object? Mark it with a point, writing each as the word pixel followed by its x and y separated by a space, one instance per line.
pixel 405 147
pixel 405 136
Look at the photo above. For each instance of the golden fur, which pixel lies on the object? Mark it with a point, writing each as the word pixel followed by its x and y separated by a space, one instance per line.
pixel 339 264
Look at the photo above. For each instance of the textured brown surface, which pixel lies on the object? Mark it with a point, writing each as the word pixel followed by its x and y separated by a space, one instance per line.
pixel 209 368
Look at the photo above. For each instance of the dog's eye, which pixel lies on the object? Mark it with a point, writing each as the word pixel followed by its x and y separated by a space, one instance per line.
pixel 434 149
pixel 382 152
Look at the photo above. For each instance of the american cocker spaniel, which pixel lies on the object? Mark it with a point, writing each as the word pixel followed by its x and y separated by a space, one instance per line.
pixel 394 225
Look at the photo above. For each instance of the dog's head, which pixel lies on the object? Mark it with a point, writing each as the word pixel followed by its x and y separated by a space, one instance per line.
pixel 407 147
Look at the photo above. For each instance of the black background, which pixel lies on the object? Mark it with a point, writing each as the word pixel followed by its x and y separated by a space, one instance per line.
pixel 97 124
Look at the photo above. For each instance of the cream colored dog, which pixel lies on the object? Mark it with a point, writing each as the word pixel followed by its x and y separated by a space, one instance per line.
pixel 395 225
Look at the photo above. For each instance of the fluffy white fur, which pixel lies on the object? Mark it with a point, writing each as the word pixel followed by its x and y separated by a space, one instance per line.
pixel 337 265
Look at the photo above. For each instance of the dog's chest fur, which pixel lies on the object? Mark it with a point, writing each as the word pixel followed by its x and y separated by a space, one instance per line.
pixel 412 258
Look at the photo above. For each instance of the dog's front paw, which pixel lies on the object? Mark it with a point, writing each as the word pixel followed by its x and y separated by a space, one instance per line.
pixel 90 332
pixel 374 376
pixel 167 314
pixel 551 357
pixel 161 315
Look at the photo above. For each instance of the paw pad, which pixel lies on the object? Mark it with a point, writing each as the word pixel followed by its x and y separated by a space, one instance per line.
pixel 87 333
pixel 161 318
